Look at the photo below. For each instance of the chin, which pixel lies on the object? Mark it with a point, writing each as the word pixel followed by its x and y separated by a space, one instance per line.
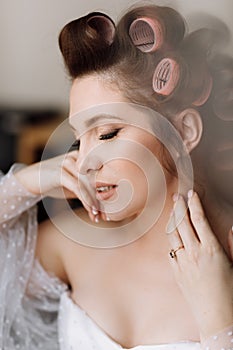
pixel 124 215
pixel 122 210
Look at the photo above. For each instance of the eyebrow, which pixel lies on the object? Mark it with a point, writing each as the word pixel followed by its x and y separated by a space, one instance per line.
pixel 101 117
pixel 97 118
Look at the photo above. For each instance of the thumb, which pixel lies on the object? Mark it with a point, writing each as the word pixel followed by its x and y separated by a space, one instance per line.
pixel 230 242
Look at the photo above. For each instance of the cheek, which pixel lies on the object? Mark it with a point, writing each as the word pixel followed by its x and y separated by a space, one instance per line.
pixel 128 171
pixel 140 179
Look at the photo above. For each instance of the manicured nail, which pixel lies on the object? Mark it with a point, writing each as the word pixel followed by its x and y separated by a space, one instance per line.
pixel 94 211
pixel 190 193
pixel 175 197
pixel 108 219
pixel 96 219
pixel 232 229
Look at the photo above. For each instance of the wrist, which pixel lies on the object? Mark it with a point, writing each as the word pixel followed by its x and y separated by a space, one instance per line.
pixel 216 316
pixel 222 339
pixel 212 328
pixel 26 177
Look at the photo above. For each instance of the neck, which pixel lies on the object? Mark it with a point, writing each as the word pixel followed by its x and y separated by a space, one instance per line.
pixel 155 240
pixel 217 211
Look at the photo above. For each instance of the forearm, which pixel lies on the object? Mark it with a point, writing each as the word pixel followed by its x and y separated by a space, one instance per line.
pixel 14 197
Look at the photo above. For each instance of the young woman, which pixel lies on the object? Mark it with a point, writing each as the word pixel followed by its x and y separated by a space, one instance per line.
pixel 143 96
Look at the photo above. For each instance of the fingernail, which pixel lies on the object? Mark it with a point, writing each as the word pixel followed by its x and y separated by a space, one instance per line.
pixel 190 193
pixel 94 211
pixel 108 219
pixel 96 219
pixel 232 229
pixel 175 197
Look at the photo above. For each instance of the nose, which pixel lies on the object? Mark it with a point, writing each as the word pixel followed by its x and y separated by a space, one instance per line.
pixel 88 161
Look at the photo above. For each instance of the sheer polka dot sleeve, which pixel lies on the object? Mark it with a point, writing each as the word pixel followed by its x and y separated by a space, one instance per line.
pixel 14 198
pixel 220 341
pixel 29 299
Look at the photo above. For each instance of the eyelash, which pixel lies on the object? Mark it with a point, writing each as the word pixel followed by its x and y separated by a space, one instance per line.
pixel 107 136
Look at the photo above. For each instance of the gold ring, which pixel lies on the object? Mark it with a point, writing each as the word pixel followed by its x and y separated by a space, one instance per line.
pixel 173 251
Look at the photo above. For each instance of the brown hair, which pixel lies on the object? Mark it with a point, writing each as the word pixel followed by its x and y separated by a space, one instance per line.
pixel 85 51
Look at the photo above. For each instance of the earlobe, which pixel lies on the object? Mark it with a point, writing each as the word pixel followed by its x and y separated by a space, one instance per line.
pixel 190 127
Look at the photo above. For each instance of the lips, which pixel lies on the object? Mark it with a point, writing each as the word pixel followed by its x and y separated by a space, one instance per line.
pixel 104 190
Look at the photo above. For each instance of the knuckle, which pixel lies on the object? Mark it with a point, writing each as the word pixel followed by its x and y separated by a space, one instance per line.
pixel 193 255
pixel 66 161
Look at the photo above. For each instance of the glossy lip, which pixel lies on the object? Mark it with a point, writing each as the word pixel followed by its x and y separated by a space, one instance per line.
pixel 105 195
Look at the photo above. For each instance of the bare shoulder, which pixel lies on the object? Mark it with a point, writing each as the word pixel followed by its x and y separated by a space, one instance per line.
pixel 58 253
pixel 52 248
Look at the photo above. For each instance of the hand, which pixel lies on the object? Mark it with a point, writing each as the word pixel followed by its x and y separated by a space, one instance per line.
pixel 201 267
pixel 57 177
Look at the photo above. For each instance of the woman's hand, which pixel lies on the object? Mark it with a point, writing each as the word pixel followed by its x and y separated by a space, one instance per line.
pixel 58 177
pixel 202 269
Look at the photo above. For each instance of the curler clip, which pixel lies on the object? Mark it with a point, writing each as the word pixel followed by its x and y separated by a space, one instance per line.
pixel 103 25
pixel 166 76
pixel 146 34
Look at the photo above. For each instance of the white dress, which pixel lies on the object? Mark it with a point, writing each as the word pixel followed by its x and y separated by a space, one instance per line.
pixel 36 311
pixel 77 331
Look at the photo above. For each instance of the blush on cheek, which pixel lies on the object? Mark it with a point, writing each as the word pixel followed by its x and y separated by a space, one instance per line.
pixel 131 192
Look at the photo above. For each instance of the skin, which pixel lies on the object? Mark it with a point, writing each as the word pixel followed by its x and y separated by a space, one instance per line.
pixel 133 290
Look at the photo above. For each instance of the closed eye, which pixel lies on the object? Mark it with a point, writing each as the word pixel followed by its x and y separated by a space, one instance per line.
pixel 109 135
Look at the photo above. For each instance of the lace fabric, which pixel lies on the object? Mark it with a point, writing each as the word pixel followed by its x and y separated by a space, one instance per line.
pixel 29 296
pixel 28 313
pixel 220 341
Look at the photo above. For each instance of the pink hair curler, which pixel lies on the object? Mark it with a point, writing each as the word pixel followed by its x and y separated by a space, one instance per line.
pixel 104 26
pixel 146 34
pixel 166 76
pixel 207 88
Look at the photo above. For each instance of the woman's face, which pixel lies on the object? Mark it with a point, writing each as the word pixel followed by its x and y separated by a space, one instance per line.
pixel 120 181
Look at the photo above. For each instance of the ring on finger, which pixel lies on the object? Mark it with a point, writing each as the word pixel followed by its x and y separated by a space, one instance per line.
pixel 173 251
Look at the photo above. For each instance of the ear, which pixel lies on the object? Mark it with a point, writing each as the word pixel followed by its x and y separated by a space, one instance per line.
pixel 190 127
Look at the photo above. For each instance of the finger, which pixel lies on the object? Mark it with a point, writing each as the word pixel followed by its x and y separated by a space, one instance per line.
pixel 73 154
pixel 90 203
pixel 184 226
pixel 172 233
pixel 69 165
pixel 86 196
pixel 230 242
pixel 104 216
pixel 64 186
pixel 93 217
pixel 69 182
pixel 199 221
pixel 175 242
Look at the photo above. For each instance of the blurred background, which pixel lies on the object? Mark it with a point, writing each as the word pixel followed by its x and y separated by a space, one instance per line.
pixel 34 88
